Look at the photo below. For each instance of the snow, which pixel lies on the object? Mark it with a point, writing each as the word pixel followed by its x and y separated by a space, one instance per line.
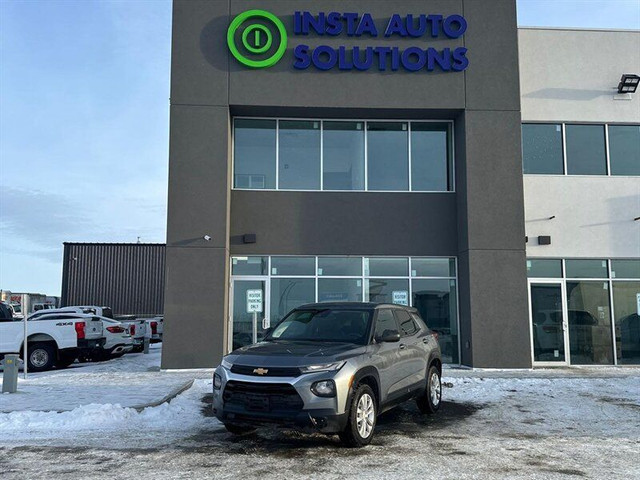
pixel 541 424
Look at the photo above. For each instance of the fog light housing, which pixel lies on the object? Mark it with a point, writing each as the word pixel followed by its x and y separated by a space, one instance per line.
pixel 217 381
pixel 324 388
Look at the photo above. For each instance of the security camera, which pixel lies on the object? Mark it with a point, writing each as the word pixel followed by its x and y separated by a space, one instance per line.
pixel 207 237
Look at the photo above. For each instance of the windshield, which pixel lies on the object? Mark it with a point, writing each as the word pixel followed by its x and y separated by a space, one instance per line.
pixel 327 325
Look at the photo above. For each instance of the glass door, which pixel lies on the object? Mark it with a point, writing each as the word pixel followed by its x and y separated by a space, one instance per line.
pixel 548 318
pixel 249 308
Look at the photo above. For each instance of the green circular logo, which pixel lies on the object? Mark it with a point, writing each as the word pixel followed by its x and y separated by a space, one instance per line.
pixel 256 39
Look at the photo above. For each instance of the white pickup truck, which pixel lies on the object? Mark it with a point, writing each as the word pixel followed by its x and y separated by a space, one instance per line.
pixel 55 341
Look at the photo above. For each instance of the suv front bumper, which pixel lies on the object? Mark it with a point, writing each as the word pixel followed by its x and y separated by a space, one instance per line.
pixel 288 401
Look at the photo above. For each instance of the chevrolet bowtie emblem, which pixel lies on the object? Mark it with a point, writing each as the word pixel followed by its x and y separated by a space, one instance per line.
pixel 260 371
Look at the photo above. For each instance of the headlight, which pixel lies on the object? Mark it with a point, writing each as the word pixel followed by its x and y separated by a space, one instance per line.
pixel 226 364
pixel 324 388
pixel 327 367
pixel 217 381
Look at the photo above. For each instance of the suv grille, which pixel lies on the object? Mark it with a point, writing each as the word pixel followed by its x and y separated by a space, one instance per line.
pixel 262 397
pixel 271 371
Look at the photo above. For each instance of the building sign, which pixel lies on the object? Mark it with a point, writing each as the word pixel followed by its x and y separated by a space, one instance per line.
pixel 254 301
pixel 400 297
pixel 259 39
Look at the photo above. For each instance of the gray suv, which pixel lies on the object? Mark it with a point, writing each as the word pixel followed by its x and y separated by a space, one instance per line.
pixel 332 368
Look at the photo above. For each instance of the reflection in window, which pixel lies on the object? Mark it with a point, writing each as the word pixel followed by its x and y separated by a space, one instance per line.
pixel 433 267
pixel 586 268
pixel 254 154
pixel 624 149
pixel 542 148
pixel 385 290
pixel 629 268
pixel 627 322
pixel 430 157
pixel 249 265
pixel 438 306
pixel 293 265
pixel 590 341
pixel 343 155
pixel 585 150
pixel 386 266
pixel 543 268
pixel 388 153
pixel 299 155
pixel 289 293
pixel 339 290
pixel 340 266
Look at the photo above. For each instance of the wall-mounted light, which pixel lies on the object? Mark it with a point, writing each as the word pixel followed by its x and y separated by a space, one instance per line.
pixel 544 240
pixel 628 83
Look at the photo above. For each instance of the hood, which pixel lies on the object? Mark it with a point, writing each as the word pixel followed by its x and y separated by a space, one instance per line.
pixel 293 354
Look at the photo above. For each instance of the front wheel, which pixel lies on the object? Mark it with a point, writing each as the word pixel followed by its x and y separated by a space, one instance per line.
pixel 429 401
pixel 362 418
pixel 41 356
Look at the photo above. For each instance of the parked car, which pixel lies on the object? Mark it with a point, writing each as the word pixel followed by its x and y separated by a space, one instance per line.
pixel 53 340
pixel 156 327
pixel 118 340
pixel 333 368
pixel 136 327
pixel 40 313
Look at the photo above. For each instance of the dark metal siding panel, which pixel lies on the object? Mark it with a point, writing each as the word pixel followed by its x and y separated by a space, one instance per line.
pixel 127 277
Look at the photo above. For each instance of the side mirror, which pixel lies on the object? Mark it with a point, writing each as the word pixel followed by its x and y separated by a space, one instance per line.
pixel 389 336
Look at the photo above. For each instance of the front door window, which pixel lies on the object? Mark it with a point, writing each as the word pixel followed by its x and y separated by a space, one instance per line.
pixel 249 307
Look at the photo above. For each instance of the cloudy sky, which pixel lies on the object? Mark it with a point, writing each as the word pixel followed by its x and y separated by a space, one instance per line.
pixel 84 96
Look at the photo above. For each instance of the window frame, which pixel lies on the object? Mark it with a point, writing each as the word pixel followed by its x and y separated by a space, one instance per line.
pixel 564 124
pixel 451 153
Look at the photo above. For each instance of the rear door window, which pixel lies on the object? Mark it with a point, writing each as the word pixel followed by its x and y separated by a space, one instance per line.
pixel 407 325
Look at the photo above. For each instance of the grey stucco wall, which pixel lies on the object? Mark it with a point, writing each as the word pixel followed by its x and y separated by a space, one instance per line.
pixel 482 223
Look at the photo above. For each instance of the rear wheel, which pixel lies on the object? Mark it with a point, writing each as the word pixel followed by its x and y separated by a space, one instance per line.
pixel 238 429
pixel 429 401
pixel 41 356
pixel 362 418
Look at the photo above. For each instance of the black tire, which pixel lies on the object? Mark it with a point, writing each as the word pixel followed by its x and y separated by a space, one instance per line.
pixel 238 429
pixel 352 436
pixel 429 402
pixel 65 360
pixel 41 356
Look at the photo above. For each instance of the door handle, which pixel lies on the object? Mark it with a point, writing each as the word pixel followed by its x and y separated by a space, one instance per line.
pixel 402 346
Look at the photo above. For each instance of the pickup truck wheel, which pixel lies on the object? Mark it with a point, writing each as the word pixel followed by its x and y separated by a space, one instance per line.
pixel 41 356
pixel 362 418
pixel 429 401
pixel 238 429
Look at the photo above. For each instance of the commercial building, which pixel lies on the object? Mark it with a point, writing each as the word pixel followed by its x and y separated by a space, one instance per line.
pixel 374 151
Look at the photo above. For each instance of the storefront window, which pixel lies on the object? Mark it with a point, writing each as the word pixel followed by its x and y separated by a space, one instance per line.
pixel 339 290
pixel 343 156
pixel 542 268
pixel 585 150
pixel 249 265
pixel 433 267
pixel 625 306
pixel 438 305
pixel 289 293
pixel 254 154
pixel 542 149
pixel 340 266
pixel 388 154
pixel 586 268
pixel 293 265
pixel 429 156
pixel 624 149
pixel 386 266
pixel 625 268
pixel 589 323
pixel 299 155
pixel 387 290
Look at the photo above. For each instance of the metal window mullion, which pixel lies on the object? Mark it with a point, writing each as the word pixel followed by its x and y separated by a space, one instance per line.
pixel 409 151
pixel 317 279
pixel 410 299
pixel 564 149
pixel 366 157
pixel 606 148
pixel 321 157
pixel 277 154
pixel 612 312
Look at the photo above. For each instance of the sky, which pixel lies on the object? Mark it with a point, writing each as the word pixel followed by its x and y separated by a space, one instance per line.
pixel 84 122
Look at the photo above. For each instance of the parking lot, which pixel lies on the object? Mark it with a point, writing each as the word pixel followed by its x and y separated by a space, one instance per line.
pixel 577 423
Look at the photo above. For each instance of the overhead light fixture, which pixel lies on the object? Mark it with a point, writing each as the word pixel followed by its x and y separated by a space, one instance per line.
pixel 628 83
